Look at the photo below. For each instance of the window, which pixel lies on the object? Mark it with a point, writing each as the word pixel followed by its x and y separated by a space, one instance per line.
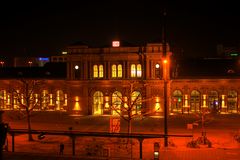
pixel 177 101
pixel 119 70
pixel 136 70
pixel 116 102
pixel 98 71
pixel 116 71
pixel 133 70
pixel 97 103
pixel 136 100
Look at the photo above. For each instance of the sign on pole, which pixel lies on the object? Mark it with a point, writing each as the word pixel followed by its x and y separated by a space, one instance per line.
pixel 114 124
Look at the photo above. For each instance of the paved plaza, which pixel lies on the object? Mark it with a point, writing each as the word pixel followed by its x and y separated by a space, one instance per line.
pixel 220 131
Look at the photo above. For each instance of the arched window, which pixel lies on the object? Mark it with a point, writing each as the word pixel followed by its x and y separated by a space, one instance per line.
pixel 100 71
pixel 195 101
pixel 95 71
pixel 59 100
pixel 139 70
pixel 177 101
pixel 116 103
pixel 213 101
pixel 3 94
pixel 133 70
pixel 136 101
pixel 97 103
pixel 232 101
pixel 136 70
pixel 114 71
pixel 119 70
pixel 44 100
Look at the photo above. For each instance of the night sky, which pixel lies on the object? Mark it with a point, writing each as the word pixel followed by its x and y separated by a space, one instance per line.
pixel 32 28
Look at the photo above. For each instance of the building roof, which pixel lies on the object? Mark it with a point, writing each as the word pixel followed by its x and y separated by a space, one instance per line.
pixel 207 67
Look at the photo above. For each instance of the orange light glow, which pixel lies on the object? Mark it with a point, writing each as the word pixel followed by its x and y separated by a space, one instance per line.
pixel 165 61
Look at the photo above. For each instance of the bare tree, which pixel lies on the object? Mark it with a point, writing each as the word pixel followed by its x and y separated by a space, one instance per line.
pixel 128 106
pixel 26 96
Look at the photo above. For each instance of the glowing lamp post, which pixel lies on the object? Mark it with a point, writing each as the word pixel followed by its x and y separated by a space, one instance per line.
pixel 2 63
pixel 30 63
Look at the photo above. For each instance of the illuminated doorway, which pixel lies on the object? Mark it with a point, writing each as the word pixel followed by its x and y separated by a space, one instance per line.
pixel 232 101
pixel 195 101
pixel 213 101
pixel 97 103
pixel 177 102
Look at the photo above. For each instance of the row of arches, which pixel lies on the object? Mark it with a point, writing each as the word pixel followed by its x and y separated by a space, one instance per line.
pixel 115 103
pixel 44 100
pixel 212 101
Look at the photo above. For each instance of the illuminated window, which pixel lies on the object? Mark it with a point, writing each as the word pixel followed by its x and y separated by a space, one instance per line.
pixel 2 101
pixel 139 70
pixel 65 100
pixel 213 101
pixel 195 101
pixel 44 100
pixel 136 101
pixel 116 102
pixel 95 71
pixel 133 70
pixel 116 71
pixel 136 70
pixel 97 103
pixel 98 71
pixel 51 100
pixel 119 70
pixel 232 101
pixel 177 101
pixel 101 71
pixel 59 99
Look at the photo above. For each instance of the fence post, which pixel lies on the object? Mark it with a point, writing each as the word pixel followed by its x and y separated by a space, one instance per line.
pixel 73 145
pixel 12 141
pixel 140 147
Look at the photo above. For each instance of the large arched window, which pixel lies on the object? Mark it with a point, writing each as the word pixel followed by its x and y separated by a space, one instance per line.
pixel 195 101
pixel 232 101
pixel 97 103
pixel 3 99
pixel 177 101
pixel 136 101
pixel 116 103
pixel 44 100
pixel 59 99
pixel 213 101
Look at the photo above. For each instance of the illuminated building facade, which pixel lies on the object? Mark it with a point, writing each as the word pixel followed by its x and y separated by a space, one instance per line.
pixel 88 81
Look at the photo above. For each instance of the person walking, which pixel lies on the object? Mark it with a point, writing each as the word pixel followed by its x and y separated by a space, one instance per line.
pixel 61 148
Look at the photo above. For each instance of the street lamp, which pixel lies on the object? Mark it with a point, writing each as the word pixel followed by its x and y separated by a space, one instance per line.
pixel 165 78
pixel 30 63
pixel 2 63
